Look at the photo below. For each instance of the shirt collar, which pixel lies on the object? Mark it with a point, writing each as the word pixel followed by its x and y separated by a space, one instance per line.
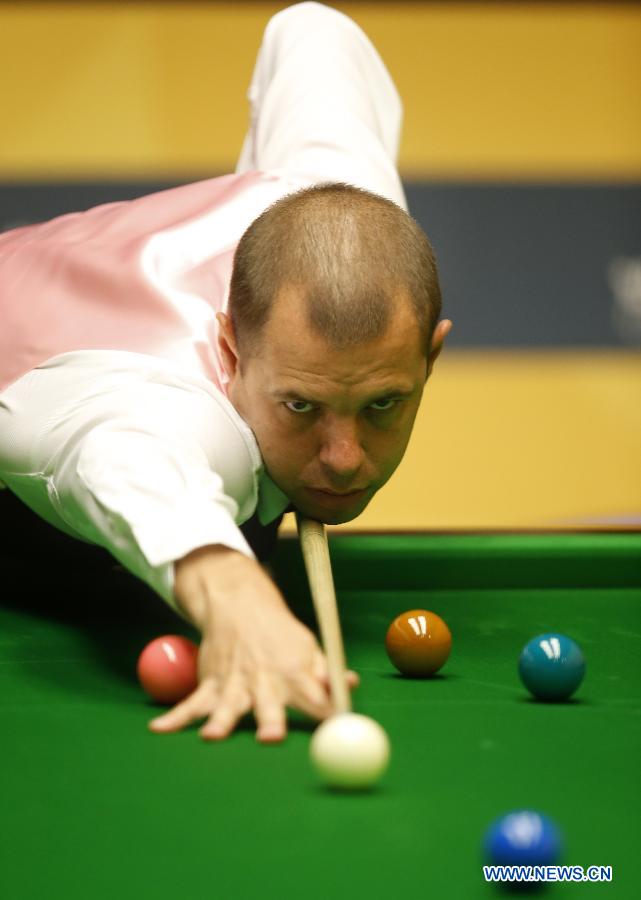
pixel 272 502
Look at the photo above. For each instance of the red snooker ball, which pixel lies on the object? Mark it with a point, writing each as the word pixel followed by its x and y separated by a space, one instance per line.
pixel 168 668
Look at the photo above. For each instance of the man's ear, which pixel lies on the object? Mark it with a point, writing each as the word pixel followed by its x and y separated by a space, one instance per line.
pixel 227 344
pixel 438 340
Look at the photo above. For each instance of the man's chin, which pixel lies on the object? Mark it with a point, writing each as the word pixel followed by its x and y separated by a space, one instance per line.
pixel 334 518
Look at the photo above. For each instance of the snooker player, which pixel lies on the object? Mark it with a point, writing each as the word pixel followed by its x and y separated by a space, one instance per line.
pixel 179 370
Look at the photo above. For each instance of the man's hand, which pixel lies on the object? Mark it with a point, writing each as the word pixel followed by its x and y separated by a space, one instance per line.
pixel 254 655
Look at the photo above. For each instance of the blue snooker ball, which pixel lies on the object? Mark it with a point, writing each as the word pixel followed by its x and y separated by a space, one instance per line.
pixel 551 666
pixel 523 838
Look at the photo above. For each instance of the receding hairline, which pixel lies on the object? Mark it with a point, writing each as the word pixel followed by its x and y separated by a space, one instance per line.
pixel 349 251
pixel 399 300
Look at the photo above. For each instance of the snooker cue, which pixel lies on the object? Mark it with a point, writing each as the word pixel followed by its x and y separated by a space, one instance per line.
pixel 313 541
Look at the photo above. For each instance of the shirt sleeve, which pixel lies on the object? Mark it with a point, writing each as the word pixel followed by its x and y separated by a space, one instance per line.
pixel 148 465
pixel 148 498
pixel 323 104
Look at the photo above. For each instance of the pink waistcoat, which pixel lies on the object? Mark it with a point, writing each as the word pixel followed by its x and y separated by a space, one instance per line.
pixel 145 275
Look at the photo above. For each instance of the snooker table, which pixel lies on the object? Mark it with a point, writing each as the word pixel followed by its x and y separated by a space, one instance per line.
pixel 95 806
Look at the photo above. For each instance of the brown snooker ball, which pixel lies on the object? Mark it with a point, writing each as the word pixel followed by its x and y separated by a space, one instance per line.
pixel 418 642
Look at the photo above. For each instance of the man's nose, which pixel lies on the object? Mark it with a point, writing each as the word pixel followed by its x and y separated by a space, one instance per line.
pixel 341 450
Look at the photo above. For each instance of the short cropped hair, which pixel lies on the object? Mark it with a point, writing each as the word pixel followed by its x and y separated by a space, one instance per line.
pixel 350 251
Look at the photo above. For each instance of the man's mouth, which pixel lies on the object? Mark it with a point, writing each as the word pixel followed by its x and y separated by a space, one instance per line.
pixel 334 498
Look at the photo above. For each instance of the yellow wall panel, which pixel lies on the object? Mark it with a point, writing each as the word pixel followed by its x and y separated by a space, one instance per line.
pixel 157 89
pixel 125 89
pixel 545 90
pixel 527 439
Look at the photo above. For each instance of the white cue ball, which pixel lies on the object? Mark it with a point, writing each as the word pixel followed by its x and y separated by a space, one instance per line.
pixel 350 751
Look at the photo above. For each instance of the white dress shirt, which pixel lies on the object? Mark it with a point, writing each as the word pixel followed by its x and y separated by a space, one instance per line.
pixel 138 449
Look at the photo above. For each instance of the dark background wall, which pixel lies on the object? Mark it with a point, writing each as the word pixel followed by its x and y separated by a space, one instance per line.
pixel 521 265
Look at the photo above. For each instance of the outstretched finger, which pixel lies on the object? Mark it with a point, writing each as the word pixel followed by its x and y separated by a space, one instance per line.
pixel 234 703
pixel 352 678
pixel 269 712
pixel 310 696
pixel 197 705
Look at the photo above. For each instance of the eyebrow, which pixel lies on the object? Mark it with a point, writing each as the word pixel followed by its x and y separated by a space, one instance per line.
pixel 383 395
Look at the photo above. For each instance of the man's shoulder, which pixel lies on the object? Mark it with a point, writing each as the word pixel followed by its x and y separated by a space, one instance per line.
pixel 160 210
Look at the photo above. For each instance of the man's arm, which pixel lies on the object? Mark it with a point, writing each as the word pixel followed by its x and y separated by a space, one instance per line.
pixel 254 655
pixel 323 103
pixel 130 465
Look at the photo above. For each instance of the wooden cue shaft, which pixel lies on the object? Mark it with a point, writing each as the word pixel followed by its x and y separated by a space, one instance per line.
pixel 313 540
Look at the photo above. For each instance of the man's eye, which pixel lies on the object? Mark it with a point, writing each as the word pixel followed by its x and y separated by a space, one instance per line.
pixel 299 406
pixel 383 405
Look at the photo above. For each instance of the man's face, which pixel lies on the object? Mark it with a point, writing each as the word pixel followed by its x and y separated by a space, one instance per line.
pixel 332 425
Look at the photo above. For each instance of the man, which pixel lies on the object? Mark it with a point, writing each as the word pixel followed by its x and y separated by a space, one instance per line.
pixel 161 405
